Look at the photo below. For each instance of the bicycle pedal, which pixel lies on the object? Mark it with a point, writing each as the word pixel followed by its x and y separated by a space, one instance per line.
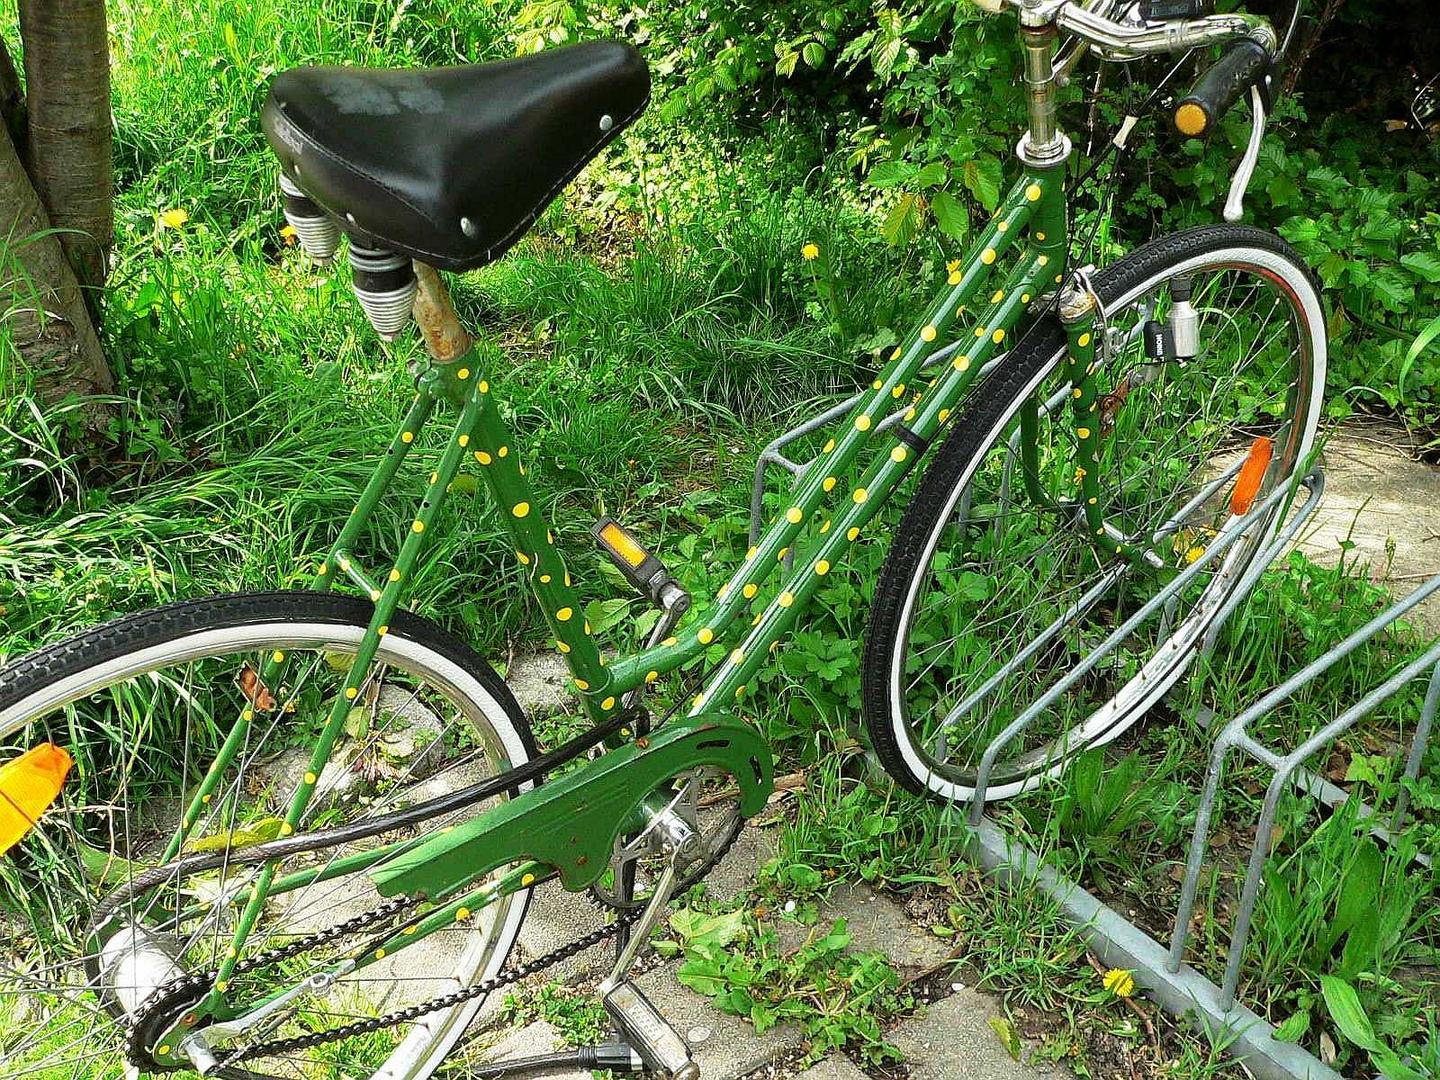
pixel 641 1024
pixel 640 568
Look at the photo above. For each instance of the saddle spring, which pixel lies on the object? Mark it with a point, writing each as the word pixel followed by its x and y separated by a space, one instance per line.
pixel 384 280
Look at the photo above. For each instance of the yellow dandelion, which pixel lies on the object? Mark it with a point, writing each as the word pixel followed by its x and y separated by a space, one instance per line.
pixel 287 234
pixel 1119 982
pixel 810 252
pixel 174 219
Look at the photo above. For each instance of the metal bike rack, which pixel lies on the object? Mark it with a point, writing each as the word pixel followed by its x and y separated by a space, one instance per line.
pixel 774 453
pixel 1160 968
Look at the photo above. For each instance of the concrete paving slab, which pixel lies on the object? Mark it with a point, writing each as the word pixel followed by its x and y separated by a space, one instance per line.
pixel 954 1041
pixel 736 871
pixel 833 1068
pixel 539 681
pixel 724 1046
pixel 557 918
pixel 530 1041
pixel 876 924
pixel 1387 504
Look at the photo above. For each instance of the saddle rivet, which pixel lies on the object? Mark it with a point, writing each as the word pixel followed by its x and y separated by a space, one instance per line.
pixel 607 122
pixel 468 227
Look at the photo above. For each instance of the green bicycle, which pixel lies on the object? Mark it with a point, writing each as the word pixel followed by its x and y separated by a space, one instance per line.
pixel 313 846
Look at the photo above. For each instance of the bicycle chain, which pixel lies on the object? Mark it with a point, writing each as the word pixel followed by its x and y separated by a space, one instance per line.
pixel 185 991
pixel 181 993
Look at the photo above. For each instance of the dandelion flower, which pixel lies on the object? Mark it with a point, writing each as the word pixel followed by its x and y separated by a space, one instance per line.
pixel 174 219
pixel 1193 554
pixel 810 252
pixel 287 235
pixel 1119 982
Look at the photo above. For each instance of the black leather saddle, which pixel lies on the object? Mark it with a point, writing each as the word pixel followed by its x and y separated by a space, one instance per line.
pixel 451 165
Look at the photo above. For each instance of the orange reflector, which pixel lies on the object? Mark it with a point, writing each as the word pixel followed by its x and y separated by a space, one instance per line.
pixel 623 544
pixel 28 787
pixel 1247 485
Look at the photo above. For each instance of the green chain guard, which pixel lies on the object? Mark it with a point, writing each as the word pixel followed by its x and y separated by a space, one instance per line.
pixel 570 823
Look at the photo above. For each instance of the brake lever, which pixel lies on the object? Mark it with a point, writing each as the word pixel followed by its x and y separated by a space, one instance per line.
pixel 1245 171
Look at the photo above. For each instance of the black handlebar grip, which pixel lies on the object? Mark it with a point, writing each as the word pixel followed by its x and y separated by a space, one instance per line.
pixel 1241 66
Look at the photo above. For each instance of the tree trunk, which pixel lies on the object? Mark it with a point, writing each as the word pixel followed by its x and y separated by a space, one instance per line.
pixel 67 87
pixel 45 315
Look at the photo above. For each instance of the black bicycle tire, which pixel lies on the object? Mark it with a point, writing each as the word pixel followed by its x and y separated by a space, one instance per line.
pixel 154 626
pixel 1041 348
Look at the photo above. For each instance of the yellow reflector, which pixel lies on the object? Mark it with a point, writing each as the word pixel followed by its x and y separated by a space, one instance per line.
pixel 623 544
pixel 28 787
pixel 1191 119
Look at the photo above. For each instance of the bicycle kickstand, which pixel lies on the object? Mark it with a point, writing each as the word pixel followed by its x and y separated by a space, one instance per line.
pixel 637 1020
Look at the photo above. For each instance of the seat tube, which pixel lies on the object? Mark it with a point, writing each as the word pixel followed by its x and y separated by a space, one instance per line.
pixel 456 368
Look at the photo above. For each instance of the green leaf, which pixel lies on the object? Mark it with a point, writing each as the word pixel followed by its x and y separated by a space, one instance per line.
pixel 1392 290
pixel 903 221
pixel 931 175
pixel 950 215
pixel 890 173
pixel 603 614
pixel 1008 1036
pixel 1425 264
pixel 1345 1010
pixel 982 175
pixel 702 976
pixel 972 586
pixel 1294 1026
pixel 357 723
pixel 813 54
pixel 884 55
pixel 106 868
pixel 698 930
pixel 1283 190
pixel 1368 768
pixel 261 831
pixel 1421 342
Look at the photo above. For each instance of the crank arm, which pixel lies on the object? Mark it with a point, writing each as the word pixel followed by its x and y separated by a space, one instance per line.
pixel 639 1022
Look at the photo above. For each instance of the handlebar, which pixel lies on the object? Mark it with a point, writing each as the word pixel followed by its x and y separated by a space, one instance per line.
pixel 1090 21
pixel 1244 64
pixel 1124 30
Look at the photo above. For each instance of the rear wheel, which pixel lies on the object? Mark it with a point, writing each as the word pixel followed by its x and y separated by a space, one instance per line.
pixel 990 597
pixel 145 703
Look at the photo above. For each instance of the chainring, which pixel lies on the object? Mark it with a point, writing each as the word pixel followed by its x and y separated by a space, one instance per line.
pixel 718 836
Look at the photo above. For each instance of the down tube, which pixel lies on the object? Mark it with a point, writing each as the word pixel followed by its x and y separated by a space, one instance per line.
pixel 860 426
pixel 859 505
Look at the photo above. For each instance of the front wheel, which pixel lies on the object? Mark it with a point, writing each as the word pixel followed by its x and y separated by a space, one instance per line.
pixel 994 590
pixel 145 704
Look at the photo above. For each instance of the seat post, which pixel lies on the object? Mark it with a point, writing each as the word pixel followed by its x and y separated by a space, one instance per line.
pixel 445 338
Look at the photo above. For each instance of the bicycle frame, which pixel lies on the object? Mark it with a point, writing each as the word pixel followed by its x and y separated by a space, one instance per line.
pixel 1025 244
pixel 1034 209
